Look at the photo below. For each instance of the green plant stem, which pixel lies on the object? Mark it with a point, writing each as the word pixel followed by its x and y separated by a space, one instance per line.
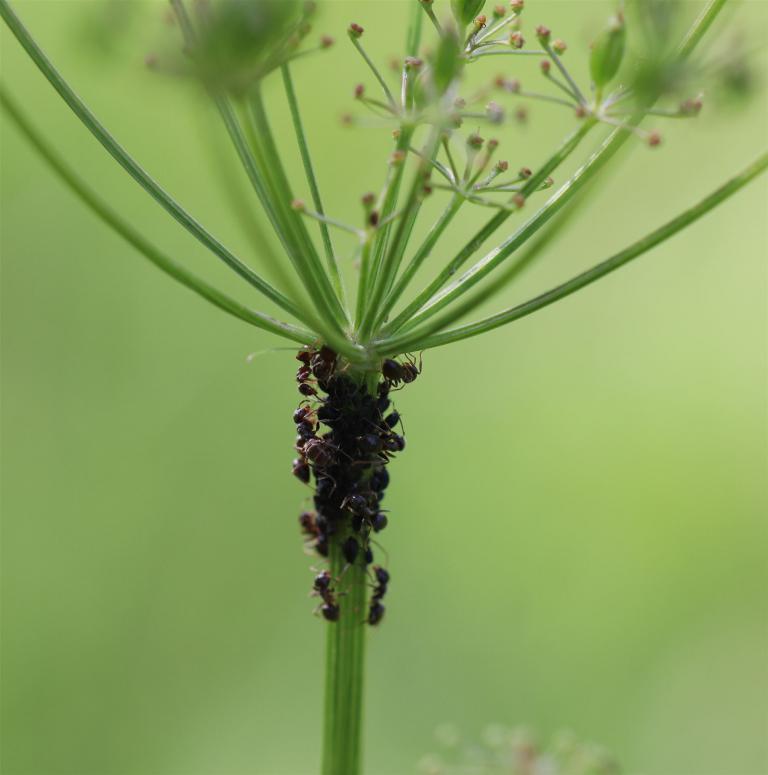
pixel 112 219
pixel 394 254
pixel 421 254
pixel 404 319
pixel 122 157
pixel 345 657
pixel 309 171
pixel 669 229
pixel 378 238
pixel 281 190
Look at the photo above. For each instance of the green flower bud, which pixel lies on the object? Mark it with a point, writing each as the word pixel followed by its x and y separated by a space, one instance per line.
pixel 465 10
pixel 608 51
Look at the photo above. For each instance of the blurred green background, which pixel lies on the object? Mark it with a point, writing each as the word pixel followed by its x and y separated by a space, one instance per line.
pixel 578 532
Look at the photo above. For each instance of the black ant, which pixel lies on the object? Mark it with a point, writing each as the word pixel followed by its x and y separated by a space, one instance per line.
pixel 396 373
pixel 376 609
pixel 321 587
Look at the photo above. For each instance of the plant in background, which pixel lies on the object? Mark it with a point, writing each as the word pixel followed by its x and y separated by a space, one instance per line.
pixel 356 349
pixel 515 751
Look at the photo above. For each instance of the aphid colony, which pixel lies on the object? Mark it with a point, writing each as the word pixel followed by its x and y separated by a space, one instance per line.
pixel 348 465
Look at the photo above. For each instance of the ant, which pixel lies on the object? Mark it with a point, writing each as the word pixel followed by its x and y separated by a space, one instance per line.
pixel 376 609
pixel 396 373
pixel 321 587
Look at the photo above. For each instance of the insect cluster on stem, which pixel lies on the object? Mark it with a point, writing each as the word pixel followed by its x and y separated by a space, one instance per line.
pixel 348 463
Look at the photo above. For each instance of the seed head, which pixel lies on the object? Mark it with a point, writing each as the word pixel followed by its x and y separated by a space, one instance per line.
pixel 519 201
pixel 559 46
pixel 546 66
pixel 355 31
pixel 543 34
pixel 502 166
pixel 516 39
pixel 359 91
pixel 525 173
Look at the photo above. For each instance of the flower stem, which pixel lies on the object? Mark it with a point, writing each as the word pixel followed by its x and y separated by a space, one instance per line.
pixel 345 654
pixel 421 341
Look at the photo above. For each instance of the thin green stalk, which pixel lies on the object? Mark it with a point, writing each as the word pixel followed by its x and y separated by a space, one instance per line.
pixel 700 27
pixel 394 255
pixel 306 158
pixel 421 254
pixel 413 38
pixel 375 70
pixel 284 196
pixel 423 341
pixel 122 157
pixel 495 257
pixel 402 321
pixel 369 269
pixel 112 219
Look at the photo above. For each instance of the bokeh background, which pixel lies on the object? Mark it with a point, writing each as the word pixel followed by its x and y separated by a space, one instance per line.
pixel 578 532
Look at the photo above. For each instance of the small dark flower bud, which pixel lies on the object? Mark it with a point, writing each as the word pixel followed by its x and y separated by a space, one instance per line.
pixel 359 91
pixel 368 200
pixel 355 30
pixel 559 46
pixel 546 66
pixel 525 173
pixel 493 144
pixel 499 11
pixel 413 63
pixel 516 39
pixel 502 166
pixel 519 201
pixel 517 5
pixel 581 111
pixel 543 34
pixel 298 205
pixel 480 21
pixel 326 41
pixel 654 139
pixel 521 114
pixel 475 141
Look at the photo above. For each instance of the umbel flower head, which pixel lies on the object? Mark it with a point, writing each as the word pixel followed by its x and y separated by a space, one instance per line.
pixel 239 42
